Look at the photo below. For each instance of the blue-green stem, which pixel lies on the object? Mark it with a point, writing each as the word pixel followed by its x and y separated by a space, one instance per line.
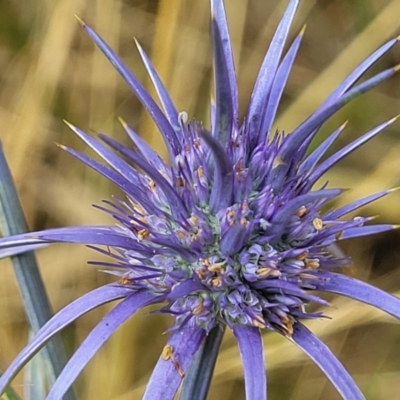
pixel 198 378
pixel 9 394
pixel 31 286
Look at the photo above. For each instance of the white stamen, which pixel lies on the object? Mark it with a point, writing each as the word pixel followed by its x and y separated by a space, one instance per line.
pixel 183 117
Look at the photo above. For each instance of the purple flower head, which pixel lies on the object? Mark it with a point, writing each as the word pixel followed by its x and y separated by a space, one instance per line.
pixel 232 232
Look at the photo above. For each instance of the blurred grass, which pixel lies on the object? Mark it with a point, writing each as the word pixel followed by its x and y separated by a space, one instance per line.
pixel 51 71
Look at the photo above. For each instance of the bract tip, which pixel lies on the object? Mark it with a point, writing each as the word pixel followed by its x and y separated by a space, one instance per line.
pixel 61 146
pixel 122 122
pixel 137 43
pixel 80 20
pixel 68 124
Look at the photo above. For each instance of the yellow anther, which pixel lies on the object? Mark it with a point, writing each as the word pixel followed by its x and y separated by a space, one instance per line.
pixel 198 309
pixel 194 220
pixel 124 280
pixel 244 222
pixel 275 272
pixel 180 234
pixel 304 275
pixel 168 354
pixel 138 208
pixel 202 274
pixel 205 261
pixel 263 271
pixel 302 211
pixel 289 327
pixel 200 172
pixel 217 281
pixel 301 256
pixel 143 234
pixel 215 268
pixel 312 263
pixel 230 214
pixel 258 322
pixel 151 185
pixel 318 224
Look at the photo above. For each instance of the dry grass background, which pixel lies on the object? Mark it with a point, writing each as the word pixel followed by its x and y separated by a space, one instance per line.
pixel 49 71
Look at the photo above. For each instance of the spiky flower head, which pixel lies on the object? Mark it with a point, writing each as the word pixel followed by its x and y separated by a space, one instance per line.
pixel 233 231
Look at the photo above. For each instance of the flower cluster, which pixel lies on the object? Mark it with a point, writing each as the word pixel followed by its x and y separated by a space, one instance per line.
pixel 234 231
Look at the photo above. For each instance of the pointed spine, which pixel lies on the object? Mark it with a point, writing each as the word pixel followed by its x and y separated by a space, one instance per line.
pixel 262 87
pixel 226 112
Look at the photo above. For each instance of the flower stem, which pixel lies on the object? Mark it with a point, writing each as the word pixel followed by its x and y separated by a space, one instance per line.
pixel 9 394
pixel 198 378
pixel 31 286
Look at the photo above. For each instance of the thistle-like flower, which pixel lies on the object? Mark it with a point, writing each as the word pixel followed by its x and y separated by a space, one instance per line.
pixel 232 232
